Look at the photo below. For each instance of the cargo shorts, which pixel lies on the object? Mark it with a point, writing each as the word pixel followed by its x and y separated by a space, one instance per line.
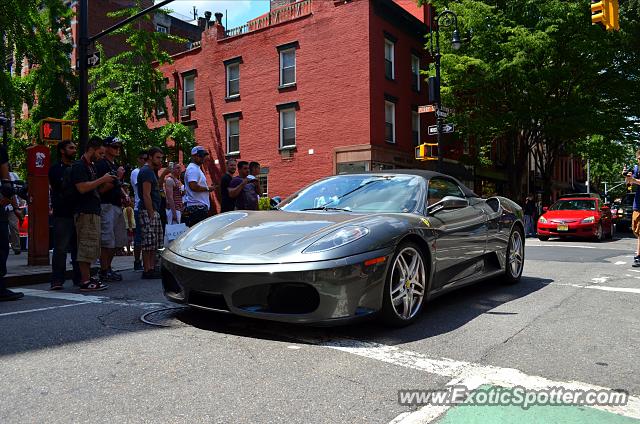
pixel 88 234
pixel 114 231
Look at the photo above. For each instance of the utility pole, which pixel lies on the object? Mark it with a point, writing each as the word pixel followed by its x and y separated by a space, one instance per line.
pixel 83 52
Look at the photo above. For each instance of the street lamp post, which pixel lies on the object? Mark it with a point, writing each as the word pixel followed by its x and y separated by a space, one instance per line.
pixel 449 18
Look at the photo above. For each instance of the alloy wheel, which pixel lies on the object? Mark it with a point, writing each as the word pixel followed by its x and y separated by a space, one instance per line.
pixel 516 253
pixel 408 283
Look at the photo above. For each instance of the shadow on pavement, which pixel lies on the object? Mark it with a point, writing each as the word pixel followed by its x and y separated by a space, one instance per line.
pixel 442 315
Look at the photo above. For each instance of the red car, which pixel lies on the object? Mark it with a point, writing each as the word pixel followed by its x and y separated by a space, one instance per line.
pixel 583 217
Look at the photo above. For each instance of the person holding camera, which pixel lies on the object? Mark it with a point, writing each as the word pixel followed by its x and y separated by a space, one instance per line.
pixel 196 198
pixel 632 176
pixel 114 232
pixel 242 188
pixel 7 197
pixel 84 178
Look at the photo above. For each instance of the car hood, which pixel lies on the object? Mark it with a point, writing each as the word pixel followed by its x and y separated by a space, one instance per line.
pixel 570 214
pixel 248 237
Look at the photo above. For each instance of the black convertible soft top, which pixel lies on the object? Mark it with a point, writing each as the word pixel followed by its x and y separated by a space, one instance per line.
pixel 427 175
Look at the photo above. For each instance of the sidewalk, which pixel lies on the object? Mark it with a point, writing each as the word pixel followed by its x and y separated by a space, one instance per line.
pixel 20 274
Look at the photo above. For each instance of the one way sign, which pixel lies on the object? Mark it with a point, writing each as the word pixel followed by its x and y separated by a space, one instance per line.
pixel 446 128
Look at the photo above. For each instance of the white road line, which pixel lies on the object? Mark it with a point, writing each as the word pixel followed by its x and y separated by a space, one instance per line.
pixel 620 263
pixel 76 297
pixel 497 376
pixel 573 246
pixel 599 280
pixel 603 288
pixel 44 309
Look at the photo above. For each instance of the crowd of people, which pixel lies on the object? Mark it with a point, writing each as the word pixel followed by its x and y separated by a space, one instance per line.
pixel 96 213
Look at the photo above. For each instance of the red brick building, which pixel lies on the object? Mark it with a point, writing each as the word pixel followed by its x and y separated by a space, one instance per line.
pixel 313 88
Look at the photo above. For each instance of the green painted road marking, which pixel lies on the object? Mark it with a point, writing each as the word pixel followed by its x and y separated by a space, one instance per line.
pixel 538 414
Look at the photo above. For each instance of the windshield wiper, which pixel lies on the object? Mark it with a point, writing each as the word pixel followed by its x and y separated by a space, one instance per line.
pixel 325 208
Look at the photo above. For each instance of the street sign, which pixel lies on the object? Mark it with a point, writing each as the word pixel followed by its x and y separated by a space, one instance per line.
pixel 446 129
pixel 441 114
pixel 92 60
pixel 446 109
pixel 426 109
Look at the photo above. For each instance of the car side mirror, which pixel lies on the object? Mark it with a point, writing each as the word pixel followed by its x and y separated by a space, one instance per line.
pixel 545 208
pixel 449 202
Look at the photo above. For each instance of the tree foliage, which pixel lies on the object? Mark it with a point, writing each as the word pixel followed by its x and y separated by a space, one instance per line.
pixel 539 76
pixel 35 33
pixel 128 88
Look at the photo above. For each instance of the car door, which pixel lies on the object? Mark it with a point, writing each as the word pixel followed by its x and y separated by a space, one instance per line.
pixel 461 234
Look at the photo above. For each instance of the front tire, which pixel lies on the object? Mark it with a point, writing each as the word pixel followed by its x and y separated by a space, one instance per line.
pixel 543 238
pixel 405 287
pixel 599 236
pixel 515 256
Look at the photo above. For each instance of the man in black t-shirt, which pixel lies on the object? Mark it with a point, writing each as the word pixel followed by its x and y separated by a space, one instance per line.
pixel 87 211
pixel 114 233
pixel 5 293
pixel 149 210
pixel 64 229
pixel 228 204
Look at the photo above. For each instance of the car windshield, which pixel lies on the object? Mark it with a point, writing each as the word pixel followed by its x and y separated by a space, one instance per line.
pixel 359 193
pixel 574 205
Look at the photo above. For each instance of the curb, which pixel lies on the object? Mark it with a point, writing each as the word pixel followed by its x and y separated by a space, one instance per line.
pixel 14 280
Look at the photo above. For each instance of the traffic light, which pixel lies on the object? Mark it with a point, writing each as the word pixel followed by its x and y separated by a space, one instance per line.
pixel 55 130
pixel 427 151
pixel 606 14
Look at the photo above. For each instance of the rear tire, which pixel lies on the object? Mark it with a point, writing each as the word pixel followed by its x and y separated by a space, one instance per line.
pixel 515 256
pixel 406 285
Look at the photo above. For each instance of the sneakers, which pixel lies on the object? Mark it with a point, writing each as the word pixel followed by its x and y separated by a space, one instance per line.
pixel 137 266
pixel 6 294
pixel 109 275
pixel 151 275
pixel 636 262
pixel 56 286
pixel 93 285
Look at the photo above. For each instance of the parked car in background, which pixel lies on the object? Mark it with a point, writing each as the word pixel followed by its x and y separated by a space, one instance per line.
pixel 625 211
pixel 585 217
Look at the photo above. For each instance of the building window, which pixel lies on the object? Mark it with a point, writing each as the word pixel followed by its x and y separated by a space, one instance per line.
pixel 389 122
pixel 415 72
pixel 161 108
pixel 163 29
pixel 287 128
pixel 189 88
pixel 263 180
pixel 233 80
pixel 288 67
pixel 389 62
pixel 415 127
pixel 233 136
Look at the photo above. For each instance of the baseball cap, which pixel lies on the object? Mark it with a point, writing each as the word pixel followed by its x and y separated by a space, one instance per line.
pixel 112 141
pixel 199 150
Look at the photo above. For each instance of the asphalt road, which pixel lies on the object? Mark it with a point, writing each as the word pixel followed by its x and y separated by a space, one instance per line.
pixel 573 319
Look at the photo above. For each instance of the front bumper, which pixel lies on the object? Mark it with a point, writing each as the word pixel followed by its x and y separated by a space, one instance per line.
pixel 315 292
pixel 573 230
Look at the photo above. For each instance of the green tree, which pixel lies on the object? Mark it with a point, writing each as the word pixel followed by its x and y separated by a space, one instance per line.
pixel 35 33
pixel 128 88
pixel 539 76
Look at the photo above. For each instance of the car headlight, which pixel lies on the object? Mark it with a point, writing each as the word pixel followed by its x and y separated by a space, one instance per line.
pixel 620 211
pixel 337 238
pixel 589 220
pixel 542 220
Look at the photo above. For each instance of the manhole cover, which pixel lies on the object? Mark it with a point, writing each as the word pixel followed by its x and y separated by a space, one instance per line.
pixel 166 317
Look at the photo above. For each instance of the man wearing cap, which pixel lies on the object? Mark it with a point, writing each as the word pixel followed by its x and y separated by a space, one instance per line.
pixel 196 198
pixel 113 229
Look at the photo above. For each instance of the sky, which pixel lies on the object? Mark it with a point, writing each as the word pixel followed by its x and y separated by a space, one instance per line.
pixel 238 11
